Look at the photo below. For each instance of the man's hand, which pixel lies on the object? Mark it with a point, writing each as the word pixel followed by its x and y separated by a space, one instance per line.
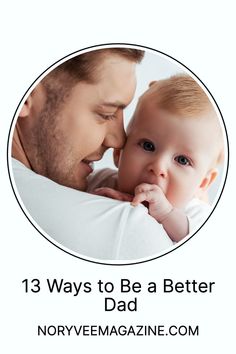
pixel 159 206
pixel 114 194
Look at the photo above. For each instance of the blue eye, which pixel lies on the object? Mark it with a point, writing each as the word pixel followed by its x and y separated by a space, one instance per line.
pixel 182 160
pixel 148 146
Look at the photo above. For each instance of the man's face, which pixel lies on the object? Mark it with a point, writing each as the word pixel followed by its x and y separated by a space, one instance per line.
pixel 67 140
pixel 172 152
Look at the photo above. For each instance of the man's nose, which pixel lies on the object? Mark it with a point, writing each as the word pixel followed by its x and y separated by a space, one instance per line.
pixel 115 137
pixel 159 166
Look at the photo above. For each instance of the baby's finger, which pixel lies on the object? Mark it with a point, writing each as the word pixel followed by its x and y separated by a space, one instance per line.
pixel 139 198
pixel 150 196
pixel 143 187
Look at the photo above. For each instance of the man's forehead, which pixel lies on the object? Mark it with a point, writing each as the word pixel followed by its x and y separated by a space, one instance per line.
pixel 117 82
pixel 114 97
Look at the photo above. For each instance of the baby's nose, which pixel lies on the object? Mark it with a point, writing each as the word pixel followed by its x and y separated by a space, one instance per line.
pixel 159 167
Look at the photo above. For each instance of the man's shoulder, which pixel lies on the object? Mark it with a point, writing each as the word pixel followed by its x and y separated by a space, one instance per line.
pixel 91 225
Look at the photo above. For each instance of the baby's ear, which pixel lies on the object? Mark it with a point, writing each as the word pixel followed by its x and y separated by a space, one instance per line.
pixel 152 83
pixel 116 157
pixel 209 179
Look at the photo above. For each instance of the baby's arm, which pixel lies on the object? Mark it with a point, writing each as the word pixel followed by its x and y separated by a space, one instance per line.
pixel 174 221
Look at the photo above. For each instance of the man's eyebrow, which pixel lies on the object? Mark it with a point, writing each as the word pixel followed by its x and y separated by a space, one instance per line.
pixel 116 104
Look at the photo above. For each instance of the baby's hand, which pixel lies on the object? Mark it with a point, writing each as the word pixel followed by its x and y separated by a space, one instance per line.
pixel 114 194
pixel 159 206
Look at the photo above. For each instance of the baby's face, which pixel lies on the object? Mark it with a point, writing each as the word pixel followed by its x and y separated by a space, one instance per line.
pixel 173 152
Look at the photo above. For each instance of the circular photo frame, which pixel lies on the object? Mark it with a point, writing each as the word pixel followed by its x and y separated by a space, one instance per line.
pixel 166 162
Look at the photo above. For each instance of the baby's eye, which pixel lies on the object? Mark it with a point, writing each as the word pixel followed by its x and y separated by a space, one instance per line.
pixel 147 145
pixel 183 160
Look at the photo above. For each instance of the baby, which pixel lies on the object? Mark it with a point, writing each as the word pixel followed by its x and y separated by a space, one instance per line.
pixel 174 144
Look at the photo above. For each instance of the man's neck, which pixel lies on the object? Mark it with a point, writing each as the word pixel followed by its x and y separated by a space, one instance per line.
pixel 18 151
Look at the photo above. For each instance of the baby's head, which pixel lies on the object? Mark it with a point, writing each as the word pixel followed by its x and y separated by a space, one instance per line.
pixel 174 140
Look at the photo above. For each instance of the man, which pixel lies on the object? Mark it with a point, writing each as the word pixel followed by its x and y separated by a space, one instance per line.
pixel 68 121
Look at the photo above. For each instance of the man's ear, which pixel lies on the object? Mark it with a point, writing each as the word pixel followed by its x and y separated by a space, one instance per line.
pixel 25 110
pixel 36 99
pixel 116 156
pixel 208 179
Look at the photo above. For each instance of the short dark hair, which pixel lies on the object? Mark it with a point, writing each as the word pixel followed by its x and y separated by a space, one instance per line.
pixel 83 66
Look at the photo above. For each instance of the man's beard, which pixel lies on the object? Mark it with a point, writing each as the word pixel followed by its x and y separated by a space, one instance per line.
pixel 53 155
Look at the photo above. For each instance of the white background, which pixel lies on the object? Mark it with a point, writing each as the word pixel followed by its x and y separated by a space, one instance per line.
pixel 35 35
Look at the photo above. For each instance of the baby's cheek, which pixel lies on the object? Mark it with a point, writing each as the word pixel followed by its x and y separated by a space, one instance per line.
pixel 126 183
pixel 122 181
pixel 179 196
pixel 126 186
